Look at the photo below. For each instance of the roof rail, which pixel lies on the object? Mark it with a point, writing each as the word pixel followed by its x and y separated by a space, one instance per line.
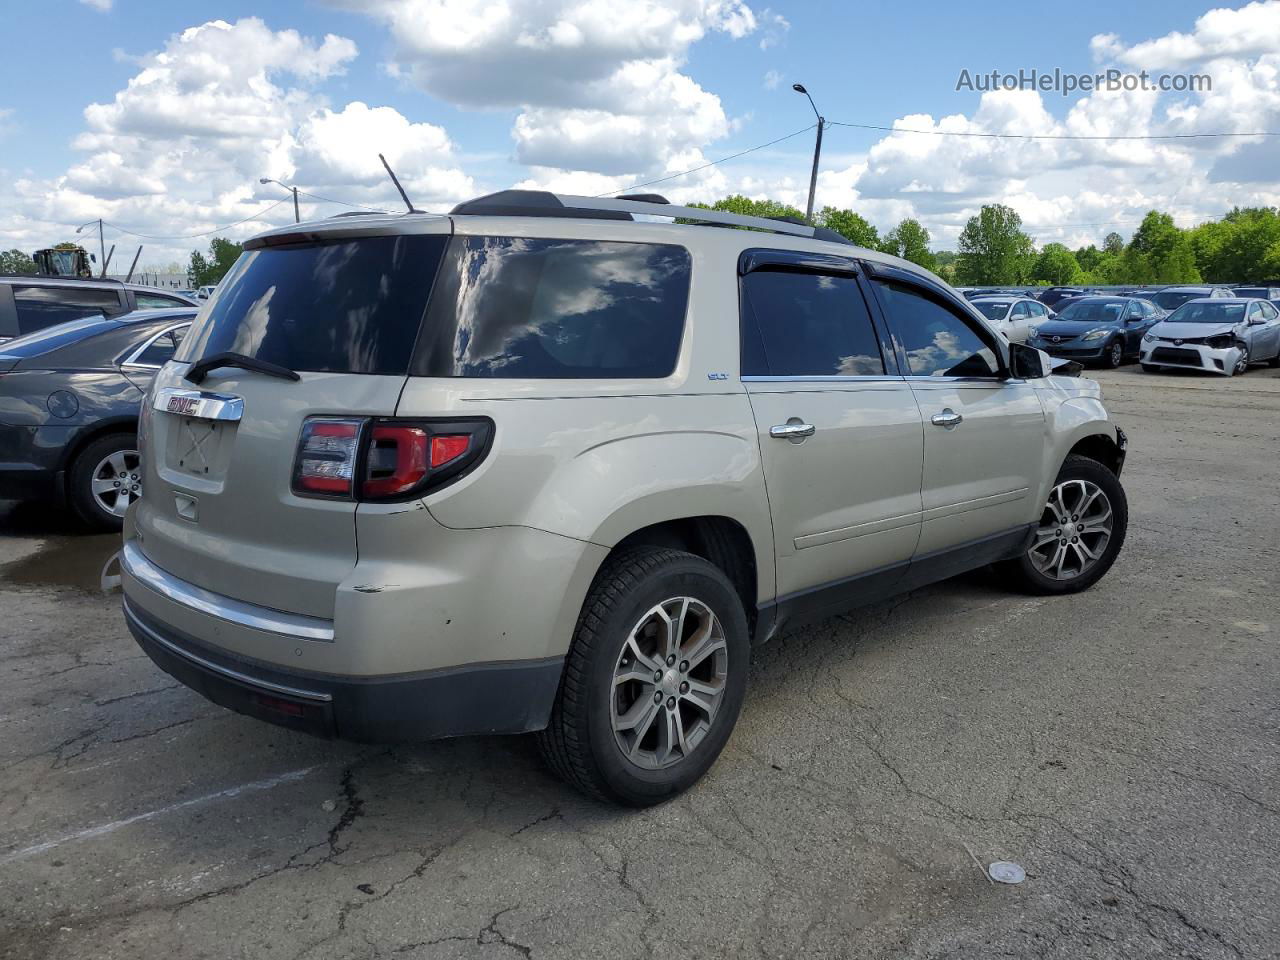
pixel 543 203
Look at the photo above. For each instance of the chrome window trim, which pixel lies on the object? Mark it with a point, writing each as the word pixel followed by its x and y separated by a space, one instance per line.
pixel 218 668
pixel 250 615
pixel 131 360
pixel 987 380
pixel 832 378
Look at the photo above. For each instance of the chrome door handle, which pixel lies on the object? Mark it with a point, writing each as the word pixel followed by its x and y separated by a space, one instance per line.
pixel 794 430
pixel 947 419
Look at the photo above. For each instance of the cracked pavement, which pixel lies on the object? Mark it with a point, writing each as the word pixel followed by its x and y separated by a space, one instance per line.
pixel 1120 745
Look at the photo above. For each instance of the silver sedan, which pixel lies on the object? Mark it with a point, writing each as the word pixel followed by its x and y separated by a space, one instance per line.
pixel 1219 335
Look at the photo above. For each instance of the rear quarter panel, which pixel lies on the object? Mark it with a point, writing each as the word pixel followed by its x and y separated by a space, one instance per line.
pixel 595 460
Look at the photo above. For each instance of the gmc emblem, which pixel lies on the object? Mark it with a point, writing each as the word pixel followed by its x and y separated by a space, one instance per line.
pixel 183 405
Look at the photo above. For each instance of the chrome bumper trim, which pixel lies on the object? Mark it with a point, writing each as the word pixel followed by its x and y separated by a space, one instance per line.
pixel 217 668
pixel 213 604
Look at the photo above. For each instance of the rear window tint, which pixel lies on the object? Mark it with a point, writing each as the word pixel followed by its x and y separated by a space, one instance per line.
pixel 540 308
pixel 349 306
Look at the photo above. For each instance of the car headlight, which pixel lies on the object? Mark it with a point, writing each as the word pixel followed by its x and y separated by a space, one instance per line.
pixel 1223 341
pixel 1095 334
pixel 1148 338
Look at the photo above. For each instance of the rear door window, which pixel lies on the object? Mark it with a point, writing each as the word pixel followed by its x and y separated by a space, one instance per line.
pixel 161 349
pixel 516 307
pixel 799 324
pixel 146 301
pixel 342 306
pixel 39 307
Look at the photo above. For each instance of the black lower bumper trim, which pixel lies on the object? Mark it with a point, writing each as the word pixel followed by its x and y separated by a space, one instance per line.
pixel 487 698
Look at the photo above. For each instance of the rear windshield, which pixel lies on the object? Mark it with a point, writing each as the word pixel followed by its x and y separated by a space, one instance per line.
pixel 519 307
pixel 1173 299
pixel 992 309
pixel 347 306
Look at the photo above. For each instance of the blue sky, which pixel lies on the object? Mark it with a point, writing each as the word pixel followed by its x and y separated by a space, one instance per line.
pixel 867 62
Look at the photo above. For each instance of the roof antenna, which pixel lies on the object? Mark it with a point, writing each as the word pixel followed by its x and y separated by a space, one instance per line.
pixel 392 174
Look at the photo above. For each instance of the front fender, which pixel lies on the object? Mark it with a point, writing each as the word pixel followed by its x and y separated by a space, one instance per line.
pixel 1071 419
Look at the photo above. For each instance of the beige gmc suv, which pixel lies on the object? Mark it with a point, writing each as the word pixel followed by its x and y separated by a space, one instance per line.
pixel 554 464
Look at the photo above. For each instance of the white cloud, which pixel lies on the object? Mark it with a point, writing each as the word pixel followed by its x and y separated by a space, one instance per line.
pixel 598 83
pixel 1076 191
pixel 103 5
pixel 1250 31
pixel 771 79
pixel 181 147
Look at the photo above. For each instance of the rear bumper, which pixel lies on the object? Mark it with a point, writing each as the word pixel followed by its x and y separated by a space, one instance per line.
pixel 486 698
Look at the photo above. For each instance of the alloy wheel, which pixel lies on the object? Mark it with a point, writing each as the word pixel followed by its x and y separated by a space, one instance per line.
pixel 1117 354
pixel 1074 530
pixel 117 482
pixel 668 683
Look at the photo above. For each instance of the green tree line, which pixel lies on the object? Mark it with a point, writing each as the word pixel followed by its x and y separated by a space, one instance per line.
pixel 993 249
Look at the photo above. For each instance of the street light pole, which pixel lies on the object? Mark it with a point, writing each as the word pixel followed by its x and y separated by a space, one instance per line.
pixel 817 149
pixel 102 246
pixel 293 190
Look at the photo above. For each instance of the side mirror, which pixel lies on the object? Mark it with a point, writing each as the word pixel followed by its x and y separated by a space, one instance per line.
pixel 1027 363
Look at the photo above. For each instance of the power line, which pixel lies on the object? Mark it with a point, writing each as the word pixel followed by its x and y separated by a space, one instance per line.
pixel 345 203
pixel 711 163
pixel 192 236
pixel 1050 136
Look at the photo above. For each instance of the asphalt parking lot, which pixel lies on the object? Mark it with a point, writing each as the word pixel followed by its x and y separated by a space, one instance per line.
pixel 1120 745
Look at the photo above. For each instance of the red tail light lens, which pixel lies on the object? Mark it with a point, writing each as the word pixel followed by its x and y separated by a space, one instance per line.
pixel 447 448
pixel 326 462
pixel 397 461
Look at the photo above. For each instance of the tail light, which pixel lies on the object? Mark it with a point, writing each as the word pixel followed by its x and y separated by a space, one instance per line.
pixel 384 460
pixel 327 453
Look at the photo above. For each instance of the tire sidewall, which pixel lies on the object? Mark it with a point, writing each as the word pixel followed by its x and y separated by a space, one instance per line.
pixel 691 577
pixel 1115 354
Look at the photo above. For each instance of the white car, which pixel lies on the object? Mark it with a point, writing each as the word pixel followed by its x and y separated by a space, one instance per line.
pixel 1217 335
pixel 205 292
pixel 1014 317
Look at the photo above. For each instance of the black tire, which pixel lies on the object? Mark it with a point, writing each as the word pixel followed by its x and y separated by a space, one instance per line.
pixel 80 495
pixel 1150 368
pixel 579 744
pixel 1115 355
pixel 1022 571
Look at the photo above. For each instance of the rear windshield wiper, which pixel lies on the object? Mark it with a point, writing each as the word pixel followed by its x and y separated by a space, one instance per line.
pixel 200 369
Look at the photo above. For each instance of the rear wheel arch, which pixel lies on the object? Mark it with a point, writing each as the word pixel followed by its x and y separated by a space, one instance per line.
pixel 721 541
pixel 89 434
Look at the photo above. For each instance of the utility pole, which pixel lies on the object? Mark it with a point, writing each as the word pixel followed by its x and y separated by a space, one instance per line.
pixel 296 218
pixel 294 190
pixel 102 250
pixel 817 149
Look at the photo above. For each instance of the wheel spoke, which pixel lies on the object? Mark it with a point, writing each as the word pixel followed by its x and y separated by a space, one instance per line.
pixel 703 695
pixel 640 657
pixel 116 460
pixel 669 737
pixel 676 632
pixel 705 647
pixel 105 485
pixel 634 672
pixel 122 503
pixel 638 718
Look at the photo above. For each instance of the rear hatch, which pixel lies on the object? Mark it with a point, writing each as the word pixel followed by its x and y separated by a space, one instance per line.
pixel 342 312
